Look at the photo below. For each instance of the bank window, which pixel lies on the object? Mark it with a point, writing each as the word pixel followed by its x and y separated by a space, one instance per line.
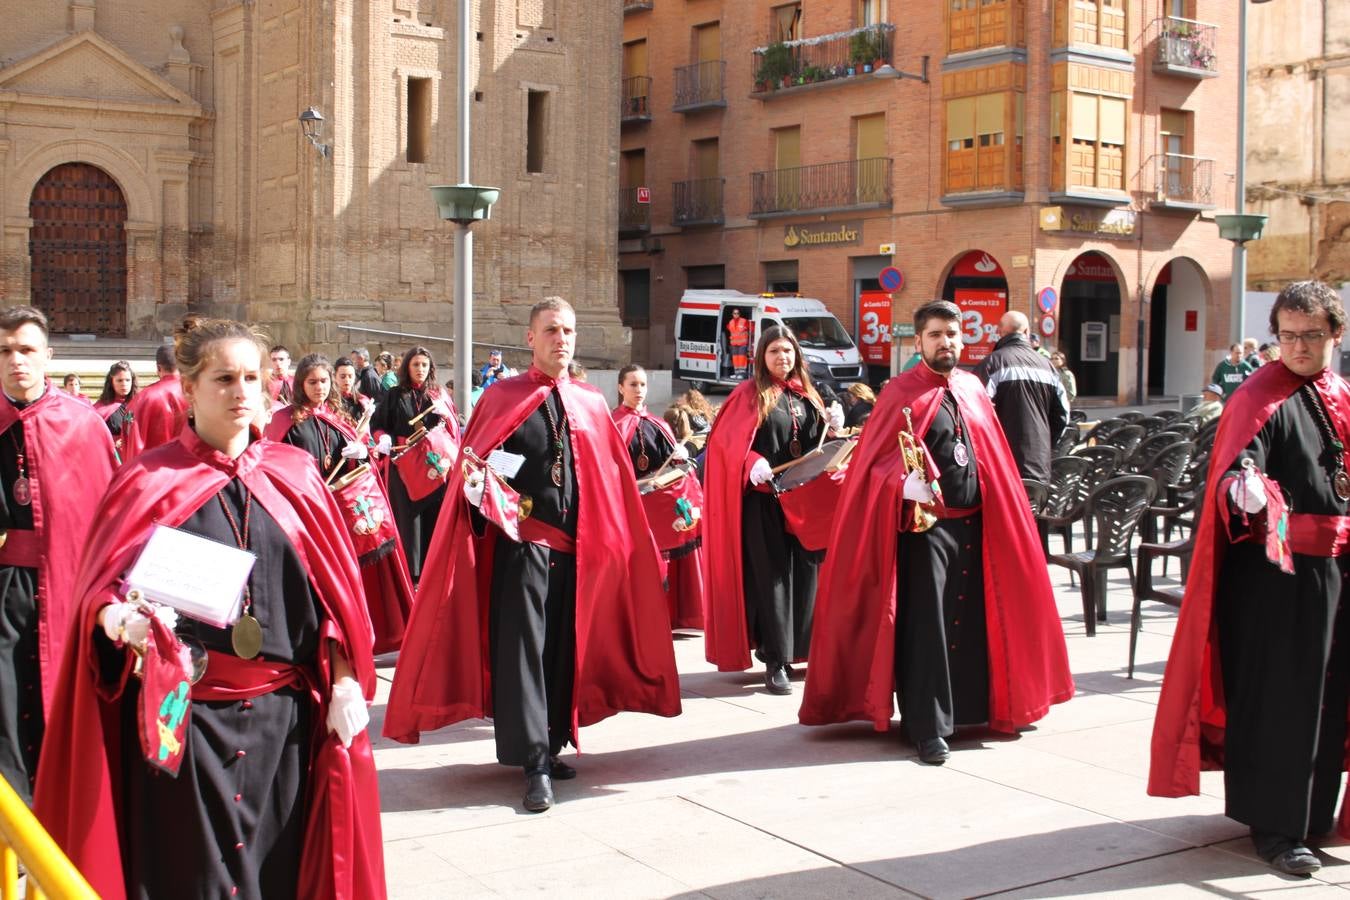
pixel 785 22
pixel 1097 146
pixel 976 143
pixel 1098 22
pixel 419 119
pixel 975 24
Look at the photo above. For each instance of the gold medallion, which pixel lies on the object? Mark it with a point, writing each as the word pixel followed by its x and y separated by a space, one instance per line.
pixel 246 637
pixel 1341 484
pixel 526 506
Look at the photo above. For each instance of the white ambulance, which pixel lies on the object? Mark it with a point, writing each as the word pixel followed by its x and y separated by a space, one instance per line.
pixel 703 347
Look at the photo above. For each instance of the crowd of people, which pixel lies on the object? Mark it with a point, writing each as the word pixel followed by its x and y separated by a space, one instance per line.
pixel 530 561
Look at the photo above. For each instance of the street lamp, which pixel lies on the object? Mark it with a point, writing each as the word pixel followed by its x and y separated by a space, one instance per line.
pixel 311 123
pixel 886 70
pixel 1248 227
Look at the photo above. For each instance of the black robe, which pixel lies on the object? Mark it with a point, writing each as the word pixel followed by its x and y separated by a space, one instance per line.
pixel 780 575
pixel 649 445
pixel 1284 651
pixel 941 645
pixel 21 722
pixel 416 519
pixel 532 621
pixel 320 440
pixel 235 815
pixel 118 421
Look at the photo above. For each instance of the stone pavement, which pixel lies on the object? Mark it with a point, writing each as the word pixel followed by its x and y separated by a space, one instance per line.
pixel 734 799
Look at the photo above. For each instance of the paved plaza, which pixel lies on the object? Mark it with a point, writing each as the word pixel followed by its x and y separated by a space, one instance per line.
pixel 734 799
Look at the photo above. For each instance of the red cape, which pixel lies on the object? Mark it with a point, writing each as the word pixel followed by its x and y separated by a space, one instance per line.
pixel 1188 730
pixel 626 420
pixel 624 658
pixel 77 796
pixel 853 641
pixel 107 409
pixel 158 413
pixel 70 460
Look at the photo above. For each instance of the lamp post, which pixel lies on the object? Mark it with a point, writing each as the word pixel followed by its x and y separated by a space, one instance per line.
pixel 463 204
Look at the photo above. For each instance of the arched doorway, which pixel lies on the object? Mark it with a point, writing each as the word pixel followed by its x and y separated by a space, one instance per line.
pixel 1089 324
pixel 1177 362
pixel 978 286
pixel 78 248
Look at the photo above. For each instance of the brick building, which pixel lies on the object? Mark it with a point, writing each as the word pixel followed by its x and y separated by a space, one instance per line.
pixel 1298 142
pixel 152 162
pixel 1078 145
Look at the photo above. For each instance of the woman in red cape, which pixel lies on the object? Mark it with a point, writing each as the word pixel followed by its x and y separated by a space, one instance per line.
pixel 114 404
pixel 649 440
pixel 316 423
pixel 624 658
pixel 853 648
pixel 93 786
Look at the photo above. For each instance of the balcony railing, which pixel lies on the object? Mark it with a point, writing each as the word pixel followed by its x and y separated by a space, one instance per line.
pixel 631 6
pixel 822 59
pixel 699 202
pixel 1186 47
pixel 857 183
pixel 700 86
pixel 635 99
pixel 1183 181
pixel 634 217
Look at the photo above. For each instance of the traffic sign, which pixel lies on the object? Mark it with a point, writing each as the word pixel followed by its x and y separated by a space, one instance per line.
pixel 644 195
pixel 1047 325
pixel 1047 298
pixel 891 279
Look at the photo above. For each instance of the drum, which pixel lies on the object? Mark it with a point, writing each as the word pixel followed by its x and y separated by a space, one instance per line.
pixel 424 462
pixel 365 509
pixel 809 492
pixel 673 501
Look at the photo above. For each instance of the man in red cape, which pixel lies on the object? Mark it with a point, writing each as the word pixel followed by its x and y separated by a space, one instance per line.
pixel 1258 678
pixel 157 411
pixel 1003 653
pixel 56 459
pixel 563 629
pixel 79 782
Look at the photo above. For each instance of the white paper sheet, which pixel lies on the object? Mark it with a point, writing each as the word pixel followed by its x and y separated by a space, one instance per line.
pixel 504 463
pixel 197 576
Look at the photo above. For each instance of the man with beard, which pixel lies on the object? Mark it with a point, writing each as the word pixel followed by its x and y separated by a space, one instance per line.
pixel 1258 679
pixel 560 625
pixel 950 618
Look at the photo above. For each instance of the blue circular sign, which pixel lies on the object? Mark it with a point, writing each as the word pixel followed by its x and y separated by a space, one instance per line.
pixel 891 279
pixel 1047 299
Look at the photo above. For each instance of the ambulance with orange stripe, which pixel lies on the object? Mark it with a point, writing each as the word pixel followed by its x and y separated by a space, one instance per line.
pixel 703 342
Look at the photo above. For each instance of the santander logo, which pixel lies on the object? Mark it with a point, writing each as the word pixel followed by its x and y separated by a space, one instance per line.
pixel 986 264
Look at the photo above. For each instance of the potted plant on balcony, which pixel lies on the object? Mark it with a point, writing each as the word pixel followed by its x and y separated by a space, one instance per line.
pixel 863 48
pixel 775 65
pixel 812 74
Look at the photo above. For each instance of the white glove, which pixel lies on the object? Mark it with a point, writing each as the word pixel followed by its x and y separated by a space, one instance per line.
pixel 1247 493
pixel 835 414
pixel 473 488
pixel 367 402
pixel 917 488
pixel 127 622
pixel 679 454
pixel 761 471
pixel 384 444
pixel 354 450
pixel 347 713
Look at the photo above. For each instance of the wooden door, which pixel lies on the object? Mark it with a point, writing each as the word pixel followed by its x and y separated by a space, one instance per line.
pixel 788 161
pixel 78 246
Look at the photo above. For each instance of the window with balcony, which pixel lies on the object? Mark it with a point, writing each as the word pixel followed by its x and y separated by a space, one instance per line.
pixel 1093 22
pixel 980 24
pixel 635 96
pixel 869 142
pixel 871 12
pixel 785 22
pixel 634 217
pixel 1096 151
pixel 1182 179
pixel 701 84
pixel 698 201
pixel 977 141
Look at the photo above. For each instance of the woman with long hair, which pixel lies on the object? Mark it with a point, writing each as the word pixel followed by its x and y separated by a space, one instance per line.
pixel 119 386
pixel 387 369
pixel 701 412
pixel 761 582
pixel 650 444
pixel 417 400
pixel 276 793
pixel 859 402
pixel 317 423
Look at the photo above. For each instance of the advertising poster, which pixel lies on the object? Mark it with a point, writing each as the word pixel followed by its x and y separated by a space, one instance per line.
pixel 980 311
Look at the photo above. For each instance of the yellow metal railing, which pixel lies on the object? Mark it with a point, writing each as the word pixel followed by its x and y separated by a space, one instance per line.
pixel 22 837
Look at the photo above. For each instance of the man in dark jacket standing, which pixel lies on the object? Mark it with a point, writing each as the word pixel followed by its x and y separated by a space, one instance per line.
pixel 367 379
pixel 1027 395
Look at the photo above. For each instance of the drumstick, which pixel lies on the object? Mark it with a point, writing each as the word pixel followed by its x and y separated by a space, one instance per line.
pixel 417 418
pixel 816 451
pixel 337 467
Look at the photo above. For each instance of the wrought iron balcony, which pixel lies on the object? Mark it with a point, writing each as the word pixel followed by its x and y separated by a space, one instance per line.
pixel 701 86
pixel 1186 48
pixel 829 59
pixel 1182 181
pixel 632 6
pixel 634 218
pixel 855 184
pixel 699 202
pixel 635 99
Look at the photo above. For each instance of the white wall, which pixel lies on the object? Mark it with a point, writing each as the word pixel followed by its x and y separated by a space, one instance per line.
pixel 1188 367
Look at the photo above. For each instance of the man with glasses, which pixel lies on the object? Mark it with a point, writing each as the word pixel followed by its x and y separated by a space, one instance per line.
pixel 1258 681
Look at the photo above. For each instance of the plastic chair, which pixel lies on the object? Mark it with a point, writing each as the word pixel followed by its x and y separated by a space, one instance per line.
pixel 1077 416
pixel 1104 429
pixel 1101 465
pixel 1038 492
pixel 1126 439
pixel 1145 589
pixel 1147 449
pixel 1167 467
pixel 1185 429
pixel 1152 425
pixel 1132 416
pixel 1116 506
pixel 1169 415
pixel 1067 440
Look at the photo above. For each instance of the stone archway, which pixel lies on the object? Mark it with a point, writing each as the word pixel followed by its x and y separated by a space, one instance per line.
pixel 78 250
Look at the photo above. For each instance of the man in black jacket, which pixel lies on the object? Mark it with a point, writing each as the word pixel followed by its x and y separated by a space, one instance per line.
pixel 367 379
pixel 1027 395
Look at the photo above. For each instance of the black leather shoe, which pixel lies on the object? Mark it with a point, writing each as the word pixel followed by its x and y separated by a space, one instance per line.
pixel 934 751
pixel 559 770
pixel 776 680
pixel 538 792
pixel 1297 860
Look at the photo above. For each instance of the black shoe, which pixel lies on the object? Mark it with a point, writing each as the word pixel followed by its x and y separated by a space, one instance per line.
pixel 787 667
pixel 934 751
pixel 776 680
pixel 1297 860
pixel 538 792
pixel 559 770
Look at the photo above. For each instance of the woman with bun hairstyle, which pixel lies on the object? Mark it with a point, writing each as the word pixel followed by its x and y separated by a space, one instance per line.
pixel 275 793
pixel 317 423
